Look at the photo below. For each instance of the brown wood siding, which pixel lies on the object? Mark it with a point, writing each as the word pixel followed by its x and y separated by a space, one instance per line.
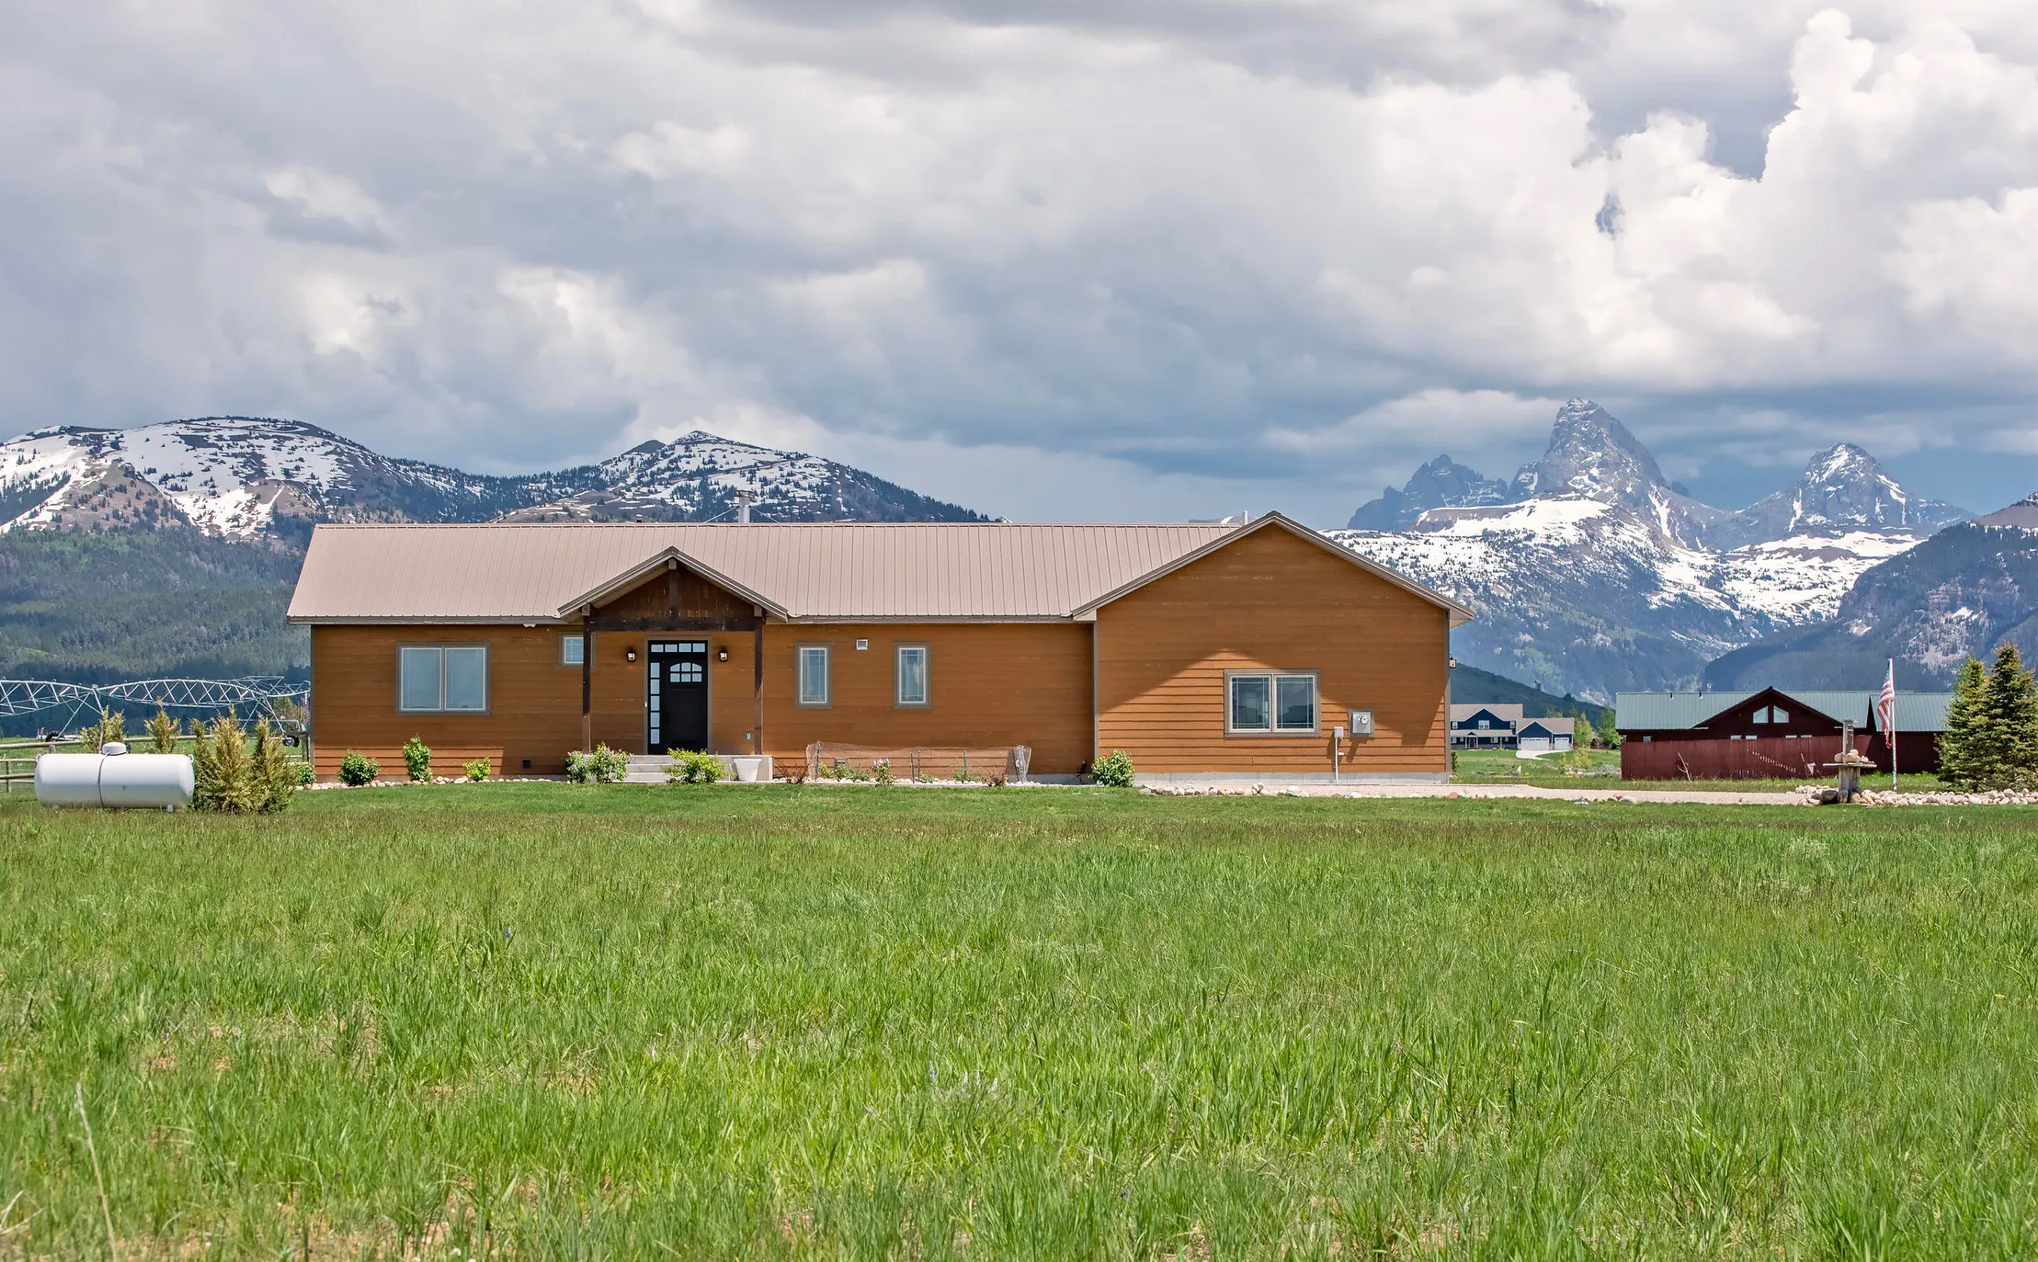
pixel 1272 601
pixel 988 683
pixel 685 594
pixel 533 701
pixel 991 684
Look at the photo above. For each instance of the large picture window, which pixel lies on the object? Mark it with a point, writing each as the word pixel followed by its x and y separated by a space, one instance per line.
pixel 912 675
pixel 1270 703
pixel 813 669
pixel 442 678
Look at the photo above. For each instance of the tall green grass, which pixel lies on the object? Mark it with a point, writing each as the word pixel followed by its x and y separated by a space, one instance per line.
pixel 549 1021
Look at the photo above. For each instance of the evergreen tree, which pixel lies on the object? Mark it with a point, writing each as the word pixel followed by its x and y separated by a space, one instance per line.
pixel 2010 711
pixel 1959 744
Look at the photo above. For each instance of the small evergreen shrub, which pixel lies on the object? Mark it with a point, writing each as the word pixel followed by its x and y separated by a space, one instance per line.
pixel 602 766
pixel 477 771
pixel 275 777
pixel 1113 770
pixel 358 769
pixel 234 779
pixel 163 732
pixel 110 727
pixel 693 767
pixel 417 760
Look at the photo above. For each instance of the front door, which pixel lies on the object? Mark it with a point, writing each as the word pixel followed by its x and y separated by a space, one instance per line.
pixel 677 700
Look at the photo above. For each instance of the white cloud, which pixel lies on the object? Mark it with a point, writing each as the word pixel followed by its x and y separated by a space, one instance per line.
pixel 1273 248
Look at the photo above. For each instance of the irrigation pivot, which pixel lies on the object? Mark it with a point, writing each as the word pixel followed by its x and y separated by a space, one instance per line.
pixel 258 694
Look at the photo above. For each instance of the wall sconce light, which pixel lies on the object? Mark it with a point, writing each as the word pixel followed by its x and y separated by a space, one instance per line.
pixel 630 655
pixel 722 653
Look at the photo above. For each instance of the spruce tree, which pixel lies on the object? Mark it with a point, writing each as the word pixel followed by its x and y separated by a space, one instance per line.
pixel 1959 744
pixel 2010 706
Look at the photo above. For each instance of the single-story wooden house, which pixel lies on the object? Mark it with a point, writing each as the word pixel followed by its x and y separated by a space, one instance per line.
pixel 1545 736
pixel 1769 734
pixel 1200 650
pixel 1481 725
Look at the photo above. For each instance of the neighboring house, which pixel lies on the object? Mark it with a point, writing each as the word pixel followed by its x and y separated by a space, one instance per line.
pixel 1199 650
pixel 1545 736
pixel 1769 734
pixel 1483 726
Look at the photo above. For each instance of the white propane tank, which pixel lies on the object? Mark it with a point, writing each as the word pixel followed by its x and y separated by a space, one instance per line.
pixel 114 778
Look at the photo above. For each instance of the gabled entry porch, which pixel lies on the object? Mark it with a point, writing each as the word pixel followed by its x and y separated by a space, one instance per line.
pixel 677 611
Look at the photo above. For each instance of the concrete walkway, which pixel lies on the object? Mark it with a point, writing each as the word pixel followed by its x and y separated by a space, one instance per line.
pixel 1474 791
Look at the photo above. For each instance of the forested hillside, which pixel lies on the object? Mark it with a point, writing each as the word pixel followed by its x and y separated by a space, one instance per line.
pixel 101 607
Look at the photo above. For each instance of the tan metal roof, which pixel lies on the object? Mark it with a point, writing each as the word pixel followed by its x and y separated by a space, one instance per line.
pixel 500 572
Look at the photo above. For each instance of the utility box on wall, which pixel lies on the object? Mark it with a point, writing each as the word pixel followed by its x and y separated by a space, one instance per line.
pixel 1361 723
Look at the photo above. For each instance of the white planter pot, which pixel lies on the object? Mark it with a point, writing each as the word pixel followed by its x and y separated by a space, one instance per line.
pixel 747 769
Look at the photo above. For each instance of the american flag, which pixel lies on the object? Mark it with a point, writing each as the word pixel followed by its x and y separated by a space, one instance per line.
pixel 1885 705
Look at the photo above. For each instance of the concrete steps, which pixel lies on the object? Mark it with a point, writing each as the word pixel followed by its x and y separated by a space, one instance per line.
pixel 655 768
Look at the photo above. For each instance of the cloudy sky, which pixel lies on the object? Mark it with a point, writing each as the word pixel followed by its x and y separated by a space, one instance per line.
pixel 1065 259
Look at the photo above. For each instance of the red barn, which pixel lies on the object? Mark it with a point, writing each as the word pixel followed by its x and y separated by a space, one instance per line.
pixel 1770 734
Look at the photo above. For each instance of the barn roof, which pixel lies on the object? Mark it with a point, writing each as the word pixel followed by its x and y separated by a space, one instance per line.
pixel 1669 711
pixel 544 572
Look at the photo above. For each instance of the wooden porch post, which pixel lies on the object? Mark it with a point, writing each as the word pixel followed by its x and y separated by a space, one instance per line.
pixel 586 680
pixel 757 680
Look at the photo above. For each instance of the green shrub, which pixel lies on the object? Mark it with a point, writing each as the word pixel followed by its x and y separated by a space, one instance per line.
pixel 305 773
pixel 275 776
pixel 417 760
pixel 477 771
pixel 881 771
pixel 602 766
pixel 110 727
pixel 693 767
pixel 233 779
pixel 358 769
pixel 163 732
pixel 1113 770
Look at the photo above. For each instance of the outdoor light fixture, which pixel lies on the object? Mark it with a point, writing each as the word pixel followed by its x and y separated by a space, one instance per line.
pixel 630 654
pixel 722 653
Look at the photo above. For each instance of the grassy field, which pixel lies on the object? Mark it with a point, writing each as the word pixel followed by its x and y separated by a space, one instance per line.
pixel 543 1021
pixel 1500 766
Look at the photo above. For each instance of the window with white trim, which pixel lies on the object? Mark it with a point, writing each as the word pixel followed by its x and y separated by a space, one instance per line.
pixel 442 678
pixel 1270 702
pixel 911 675
pixel 813 674
pixel 570 649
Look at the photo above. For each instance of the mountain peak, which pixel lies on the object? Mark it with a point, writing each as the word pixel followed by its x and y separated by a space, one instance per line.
pixel 1593 454
pixel 1442 483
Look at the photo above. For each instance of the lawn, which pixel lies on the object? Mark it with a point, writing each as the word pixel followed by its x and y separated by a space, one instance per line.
pixel 542 1021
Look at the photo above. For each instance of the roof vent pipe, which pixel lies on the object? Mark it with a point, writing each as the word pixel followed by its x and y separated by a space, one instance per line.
pixel 743 499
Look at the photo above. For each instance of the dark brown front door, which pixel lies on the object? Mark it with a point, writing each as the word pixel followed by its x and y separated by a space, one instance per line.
pixel 677 697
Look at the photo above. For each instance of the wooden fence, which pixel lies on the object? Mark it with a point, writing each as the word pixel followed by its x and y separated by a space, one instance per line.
pixel 17 758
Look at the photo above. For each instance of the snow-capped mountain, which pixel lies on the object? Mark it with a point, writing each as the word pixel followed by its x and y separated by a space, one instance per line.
pixel 252 478
pixel 697 478
pixel 1954 596
pixel 1595 574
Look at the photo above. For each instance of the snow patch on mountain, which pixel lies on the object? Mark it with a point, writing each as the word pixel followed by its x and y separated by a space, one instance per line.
pixel 249 478
pixel 1600 575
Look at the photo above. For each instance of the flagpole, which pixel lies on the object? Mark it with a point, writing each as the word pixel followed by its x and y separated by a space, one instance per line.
pixel 1892 725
